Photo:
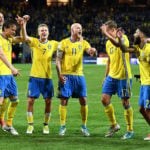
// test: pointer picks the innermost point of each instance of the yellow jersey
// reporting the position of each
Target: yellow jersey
(144, 64)
(116, 67)
(72, 61)
(6, 45)
(41, 58)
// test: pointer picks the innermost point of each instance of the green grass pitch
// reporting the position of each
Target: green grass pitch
(73, 140)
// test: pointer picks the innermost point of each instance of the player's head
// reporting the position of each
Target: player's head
(76, 31)
(111, 27)
(141, 32)
(43, 31)
(1, 19)
(9, 28)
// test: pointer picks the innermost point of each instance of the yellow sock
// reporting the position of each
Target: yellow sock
(84, 113)
(109, 110)
(30, 118)
(62, 113)
(128, 114)
(47, 118)
(3, 108)
(11, 112)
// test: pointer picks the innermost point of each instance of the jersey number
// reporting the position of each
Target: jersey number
(74, 51)
(111, 50)
(44, 50)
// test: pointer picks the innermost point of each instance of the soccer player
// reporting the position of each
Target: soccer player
(70, 73)
(40, 81)
(117, 80)
(142, 49)
(5, 101)
(8, 87)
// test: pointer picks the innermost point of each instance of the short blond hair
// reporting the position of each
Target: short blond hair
(43, 25)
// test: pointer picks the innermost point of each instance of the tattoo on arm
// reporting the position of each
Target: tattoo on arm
(122, 45)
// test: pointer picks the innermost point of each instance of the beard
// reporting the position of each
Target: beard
(137, 41)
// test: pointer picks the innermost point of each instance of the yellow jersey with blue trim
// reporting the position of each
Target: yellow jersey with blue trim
(6, 45)
(72, 61)
(41, 57)
(144, 64)
(117, 68)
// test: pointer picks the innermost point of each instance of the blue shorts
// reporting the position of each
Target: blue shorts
(8, 86)
(144, 99)
(40, 85)
(75, 86)
(112, 86)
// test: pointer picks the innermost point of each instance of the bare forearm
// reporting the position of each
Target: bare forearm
(5, 60)
(58, 67)
(112, 39)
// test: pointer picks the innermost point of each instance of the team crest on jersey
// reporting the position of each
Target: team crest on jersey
(80, 47)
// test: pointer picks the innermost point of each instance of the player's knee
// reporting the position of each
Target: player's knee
(64, 102)
(125, 103)
(48, 101)
(104, 100)
(30, 101)
(83, 101)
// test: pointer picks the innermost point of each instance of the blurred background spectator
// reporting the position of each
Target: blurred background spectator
(90, 13)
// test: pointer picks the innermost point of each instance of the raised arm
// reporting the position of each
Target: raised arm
(123, 47)
(112, 39)
(23, 22)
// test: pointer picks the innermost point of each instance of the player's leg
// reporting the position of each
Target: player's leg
(109, 88)
(64, 92)
(147, 111)
(84, 115)
(3, 85)
(30, 108)
(63, 114)
(10, 115)
(144, 105)
(48, 102)
(47, 90)
(33, 93)
(11, 92)
(3, 110)
(128, 114)
(124, 92)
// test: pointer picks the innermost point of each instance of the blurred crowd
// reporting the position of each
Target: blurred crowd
(60, 18)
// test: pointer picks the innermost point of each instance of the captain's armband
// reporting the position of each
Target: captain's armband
(60, 54)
